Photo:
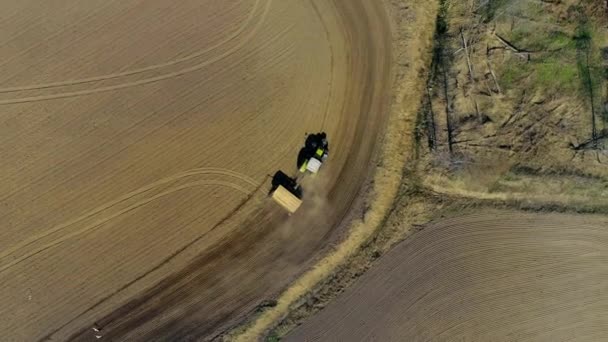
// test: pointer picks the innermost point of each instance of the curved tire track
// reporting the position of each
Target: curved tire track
(197, 54)
(185, 71)
(194, 172)
(225, 283)
(156, 267)
(277, 75)
(331, 65)
(101, 221)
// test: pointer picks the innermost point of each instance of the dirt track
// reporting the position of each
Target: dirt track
(497, 276)
(136, 141)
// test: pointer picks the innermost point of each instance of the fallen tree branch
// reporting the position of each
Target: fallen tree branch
(522, 53)
(466, 51)
(493, 76)
(479, 117)
(508, 44)
(490, 49)
(590, 144)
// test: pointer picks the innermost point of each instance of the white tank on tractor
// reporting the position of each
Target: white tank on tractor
(313, 165)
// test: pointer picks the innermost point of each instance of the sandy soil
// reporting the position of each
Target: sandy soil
(137, 137)
(493, 276)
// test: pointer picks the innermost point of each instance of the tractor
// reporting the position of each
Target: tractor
(285, 190)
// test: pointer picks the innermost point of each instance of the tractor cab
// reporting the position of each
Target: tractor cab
(314, 153)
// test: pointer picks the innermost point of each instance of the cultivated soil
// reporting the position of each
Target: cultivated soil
(489, 276)
(137, 138)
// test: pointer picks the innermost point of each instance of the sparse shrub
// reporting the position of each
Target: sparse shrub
(554, 75)
(512, 73)
(528, 38)
(273, 337)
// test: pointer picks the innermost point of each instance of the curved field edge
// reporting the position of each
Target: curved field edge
(412, 25)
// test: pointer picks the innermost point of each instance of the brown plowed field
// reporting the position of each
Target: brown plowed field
(497, 276)
(136, 137)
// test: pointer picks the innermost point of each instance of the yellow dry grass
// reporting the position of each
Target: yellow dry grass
(543, 192)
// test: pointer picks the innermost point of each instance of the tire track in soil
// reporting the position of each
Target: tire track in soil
(197, 54)
(195, 302)
(202, 171)
(169, 292)
(165, 261)
(331, 65)
(242, 267)
(150, 80)
(101, 221)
